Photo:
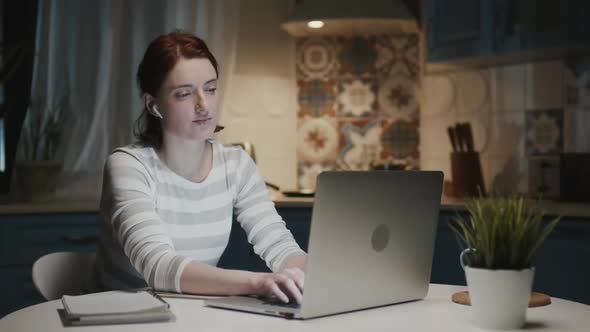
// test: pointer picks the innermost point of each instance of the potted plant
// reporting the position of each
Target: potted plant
(499, 242)
(39, 172)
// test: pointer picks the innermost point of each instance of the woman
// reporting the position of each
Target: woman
(168, 200)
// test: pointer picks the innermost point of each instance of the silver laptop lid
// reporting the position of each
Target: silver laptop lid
(371, 239)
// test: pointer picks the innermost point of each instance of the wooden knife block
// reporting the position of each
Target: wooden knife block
(467, 174)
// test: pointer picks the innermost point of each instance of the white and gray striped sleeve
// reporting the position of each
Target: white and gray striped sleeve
(136, 225)
(256, 213)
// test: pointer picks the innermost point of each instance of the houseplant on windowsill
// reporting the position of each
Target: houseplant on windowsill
(41, 136)
(499, 242)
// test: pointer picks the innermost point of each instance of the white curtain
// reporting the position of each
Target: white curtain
(92, 49)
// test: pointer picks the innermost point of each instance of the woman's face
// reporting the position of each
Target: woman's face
(188, 100)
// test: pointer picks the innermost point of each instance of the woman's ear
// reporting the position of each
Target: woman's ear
(150, 106)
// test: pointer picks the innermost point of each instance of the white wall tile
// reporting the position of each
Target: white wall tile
(584, 90)
(274, 140)
(543, 176)
(508, 88)
(508, 174)
(237, 129)
(472, 90)
(544, 85)
(261, 114)
(434, 140)
(577, 82)
(571, 92)
(260, 103)
(480, 126)
(499, 125)
(437, 164)
(437, 95)
(506, 134)
(576, 128)
(485, 169)
(275, 171)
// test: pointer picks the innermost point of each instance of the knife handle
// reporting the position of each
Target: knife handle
(460, 136)
(451, 132)
(469, 137)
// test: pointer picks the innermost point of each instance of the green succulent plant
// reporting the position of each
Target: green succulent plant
(503, 232)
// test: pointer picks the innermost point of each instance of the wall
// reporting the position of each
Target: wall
(358, 103)
(267, 106)
(521, 114)
(261, 104)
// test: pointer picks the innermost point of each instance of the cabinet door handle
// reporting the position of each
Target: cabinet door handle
(74, 239)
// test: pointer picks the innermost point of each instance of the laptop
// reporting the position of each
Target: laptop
(371, 244)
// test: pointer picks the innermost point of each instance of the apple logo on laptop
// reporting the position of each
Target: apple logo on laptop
(380, 237)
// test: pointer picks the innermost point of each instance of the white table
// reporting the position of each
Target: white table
(435, 313)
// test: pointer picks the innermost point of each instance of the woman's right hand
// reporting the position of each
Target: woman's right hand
(284, 285)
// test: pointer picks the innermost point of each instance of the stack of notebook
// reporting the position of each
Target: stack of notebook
(115, 307)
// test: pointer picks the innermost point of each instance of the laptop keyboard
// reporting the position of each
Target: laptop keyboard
(276, 302)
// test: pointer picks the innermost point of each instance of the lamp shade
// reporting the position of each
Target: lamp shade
(342, 17)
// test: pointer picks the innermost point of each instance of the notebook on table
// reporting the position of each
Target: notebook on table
(115, 307)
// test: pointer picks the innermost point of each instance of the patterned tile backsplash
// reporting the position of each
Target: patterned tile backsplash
(358, 103)
(362, 100)
(544, 132)
(357, 98)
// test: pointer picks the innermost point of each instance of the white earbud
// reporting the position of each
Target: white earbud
(154, 112)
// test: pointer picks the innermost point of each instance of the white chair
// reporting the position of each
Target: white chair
(62, 273)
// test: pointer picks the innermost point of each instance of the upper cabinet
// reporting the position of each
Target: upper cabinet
(535, 24)
(462, 29)
(458, 28)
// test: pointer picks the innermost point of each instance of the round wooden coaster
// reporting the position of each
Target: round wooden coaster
(536, 300)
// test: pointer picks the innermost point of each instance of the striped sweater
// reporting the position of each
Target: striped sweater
(156, 222)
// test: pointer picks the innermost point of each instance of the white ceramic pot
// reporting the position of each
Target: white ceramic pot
(499, 298)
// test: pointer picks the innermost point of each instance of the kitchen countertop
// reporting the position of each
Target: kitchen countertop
(54, 206)
(91, 205)
(556, 208)
(549, 207)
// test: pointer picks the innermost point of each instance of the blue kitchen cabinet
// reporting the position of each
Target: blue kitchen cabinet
(459, 28)
(560, 264)
(445, 263)
(240, 255)
(536, 24)
(561, 268)
(26, 237)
